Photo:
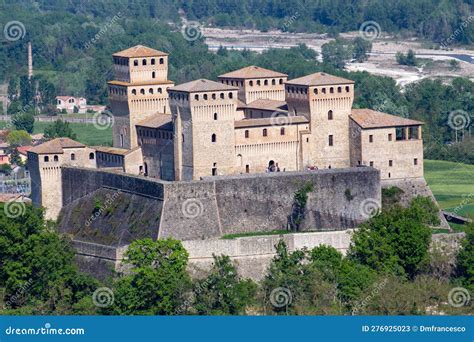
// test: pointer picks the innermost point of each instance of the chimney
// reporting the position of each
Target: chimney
(30, 62)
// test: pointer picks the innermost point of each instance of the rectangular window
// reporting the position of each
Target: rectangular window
(390, 137)
(331, 140)
(390, 163)
(371, 138)
(415, 161)
(247, 134)
(372, 164)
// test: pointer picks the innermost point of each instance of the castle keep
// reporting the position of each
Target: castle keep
(250, 121)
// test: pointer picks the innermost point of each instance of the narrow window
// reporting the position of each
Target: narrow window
(222, 96)
(324, 90)
(281, 80)
(150, 90)
(46, 159)
(264, 132)
(390, 137)
(134, 92)
(315, 91)
(390, 163)
(231, 95)
(213, 138)
(251, 83)
(196, 97)
(56, 158)
(331, 90)
(371, 138)
(259, 82)
(91, 156)
(348, 89)
(339, 89)
(330, 115)
(215, 116)
(331, 140)
(247, 134)
(162, 61)
(152, 61)
(282, 131)
(265, 82)
(135, 62)
(273, 82)
(205, 96)
(142, 91)
(247, 168)
(213, 96)
(144, 62)
(371, 164)
(415, 161)
(153, 74)
(73, 156)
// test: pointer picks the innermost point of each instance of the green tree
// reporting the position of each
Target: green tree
(18, 138)
(24, 121)
(223, 292)
(336, 53)
(59, 129)
(408, 59)
(158, 282)
(38, 271)
(465, 259)
(15, 158)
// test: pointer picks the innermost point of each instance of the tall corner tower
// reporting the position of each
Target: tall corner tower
(140, 90)
(204, 116)
(326, 101)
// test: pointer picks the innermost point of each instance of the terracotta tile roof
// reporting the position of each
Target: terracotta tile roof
(127, 84)
(161, 121)
(319, 79)
(139, 51)
(24, 149)
(202, 85)
(368, 118)
(270, 105)
(292, 120)
(253, 72)
(56, 146)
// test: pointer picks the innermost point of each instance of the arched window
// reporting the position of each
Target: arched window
(330, 115)
(196, 97)
(144, 62)
(247, 134)
(160, 90)
(152, 61)
(222, 95)
(251, 83)
(265, 133)
(73, 156)
(282, 131)
(46, 159)
(213, 138)
(324, 90)
(134, 92)
(153, 74)
(315, 91)
(348, 89)
(215, 116)
(273, 82)
(339, 89)
(331, 90)
(135, 62)
(281, 80)
(162, 60)
(231, 96)
(259, 82)
(142, 91)
(150, 90)
(205, 96)
(213, 96)
(91, 156)
(55, 158)
(265, 82)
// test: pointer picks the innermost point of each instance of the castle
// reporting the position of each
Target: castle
(253, 120)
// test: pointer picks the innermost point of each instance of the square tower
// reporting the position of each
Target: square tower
(326, 101)
(204, 117)
(138, 91)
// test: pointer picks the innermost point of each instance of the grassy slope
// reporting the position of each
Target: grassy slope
(86, 133)
(452, 184)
